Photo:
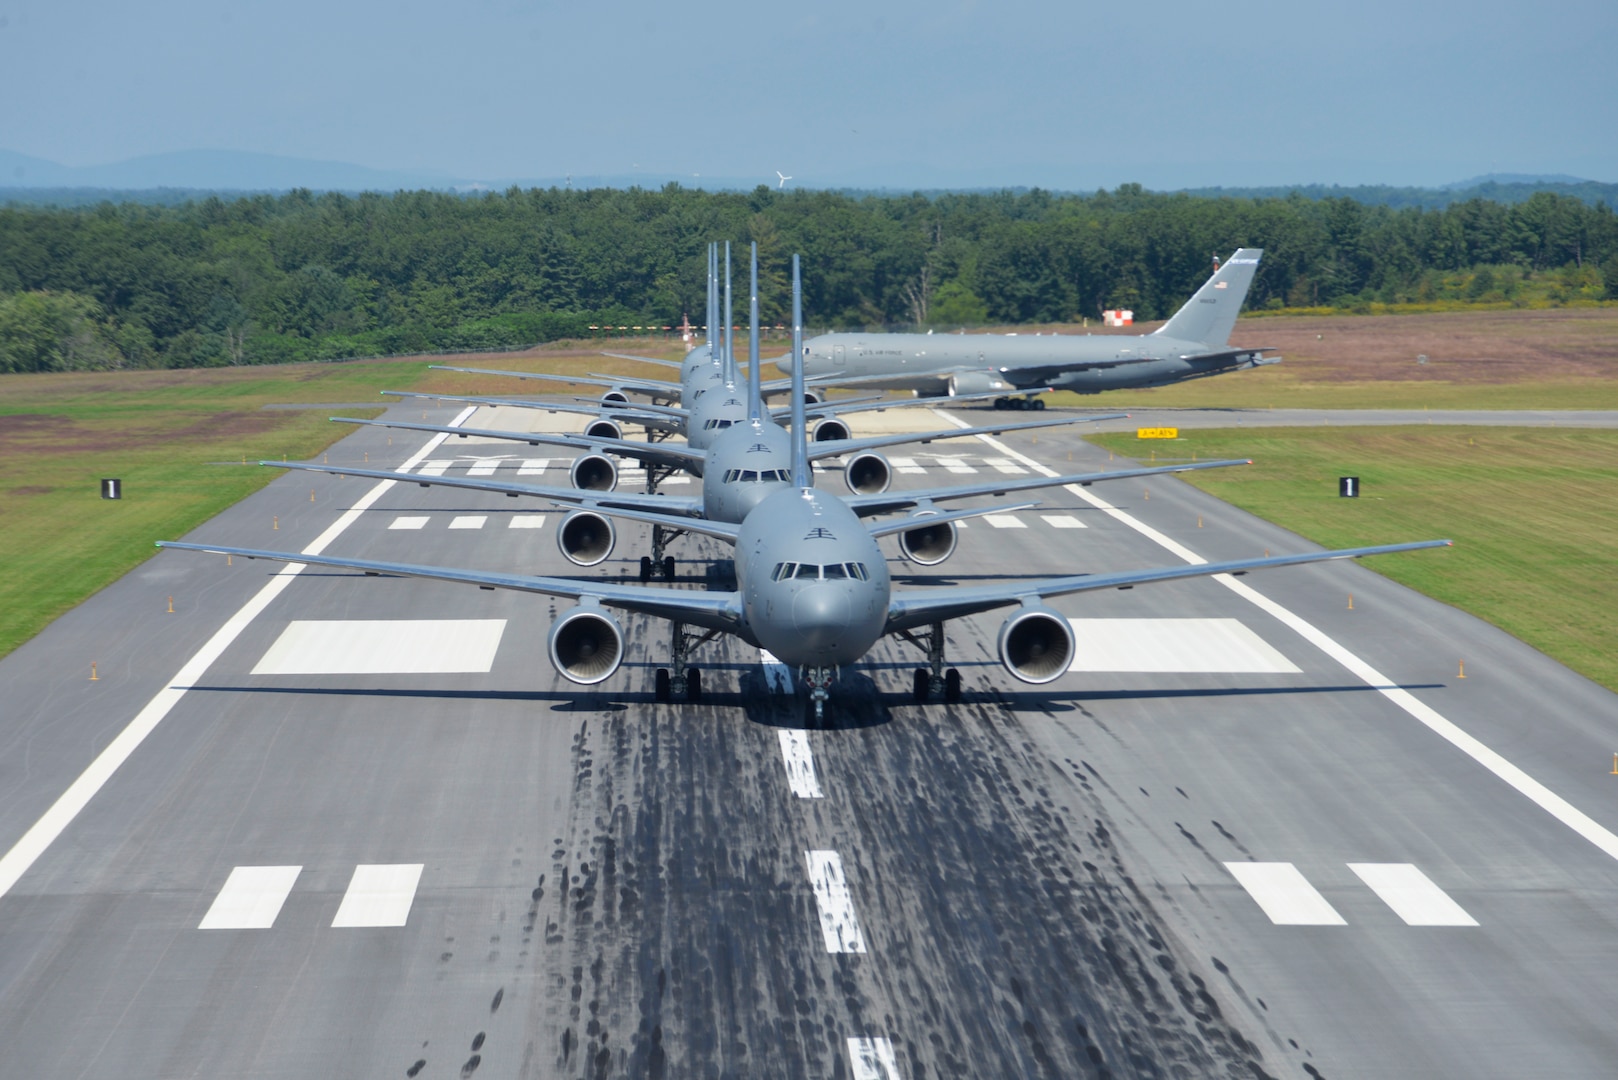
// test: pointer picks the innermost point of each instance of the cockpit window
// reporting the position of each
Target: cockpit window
(783, 570)
(833, 572)
(807, 570)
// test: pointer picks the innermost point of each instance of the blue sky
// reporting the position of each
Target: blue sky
(1169, 93)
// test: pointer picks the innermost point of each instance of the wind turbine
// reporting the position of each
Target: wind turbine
(784, 179)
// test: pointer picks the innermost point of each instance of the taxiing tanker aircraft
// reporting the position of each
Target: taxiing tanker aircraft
(812, 588)
(1191, 345)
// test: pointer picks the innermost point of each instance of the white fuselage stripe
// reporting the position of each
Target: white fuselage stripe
(44, 832)
(1538, 793)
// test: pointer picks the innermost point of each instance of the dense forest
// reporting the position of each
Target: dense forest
(269, 279)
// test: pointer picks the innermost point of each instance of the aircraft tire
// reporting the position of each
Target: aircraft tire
(1001, 404)
(660, 686)
(645, 568)
(1038, 404)
(952, 686)
(918, 686)
(668, 568)
(693, 684)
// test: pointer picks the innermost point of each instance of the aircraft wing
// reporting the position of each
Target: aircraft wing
(635, 414)
(918, 607)
(1234, 354)
(650, 386)
(722, 530)
(888, 502)
(888, 528)
(673, 456)
(675, 364)
(839, 447)
(670, 504)
(713, 610)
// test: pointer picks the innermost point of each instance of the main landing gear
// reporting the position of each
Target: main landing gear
(934, 680)
(657, 564)
(685, 681)
(1020, 403)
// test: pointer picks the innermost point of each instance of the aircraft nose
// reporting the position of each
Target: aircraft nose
(821, 614)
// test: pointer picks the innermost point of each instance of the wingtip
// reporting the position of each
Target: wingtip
(1250, 461)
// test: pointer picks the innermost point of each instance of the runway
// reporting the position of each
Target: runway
(1298, 845)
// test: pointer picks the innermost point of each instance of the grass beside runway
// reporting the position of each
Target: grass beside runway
(177, 440)
(1531, 511)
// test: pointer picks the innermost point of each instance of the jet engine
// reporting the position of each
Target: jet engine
(603, 429)
(812, 397)
(586, 537)
(615, 398)
(867, 474)
(594, 472)
(928, 545)
(586, 644)
(831, 429)
(975, 382)
(1036, 644)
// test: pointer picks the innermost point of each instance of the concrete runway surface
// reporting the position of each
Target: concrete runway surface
(1300, 846)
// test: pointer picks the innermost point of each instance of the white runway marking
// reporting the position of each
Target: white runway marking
(907, 466)
(1420, 711)
(50, 825)
(384, 647)
(1005, 521)
(469, 521)
(1285, 894)
(837, 923)
(526, 521)
(408, 522)
(776, 674)
(1222, 646)
(533, 466)
(434, 468)
(800, 763)
(379, 895)
(1064, 521)
(251, 899)
(956, 465)
(677, 480)
(484, 467)
(1005, 465)
(872, 1059)
(1412, 895)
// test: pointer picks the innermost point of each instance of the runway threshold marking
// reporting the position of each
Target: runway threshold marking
(838, 925)
(485, 466)
(1525, 785)
(800, 764)
(526, 521)
(1064, 521)
(379, 895)
(408, 521)
(44, 832)
(1005, 521)
(251, 898)
(872, 1059)
(469, 521)
(533, 466)
(431, 468)
(384, 647)
(1412, 895)
(1284, 894)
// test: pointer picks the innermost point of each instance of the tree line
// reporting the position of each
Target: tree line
(271, 279)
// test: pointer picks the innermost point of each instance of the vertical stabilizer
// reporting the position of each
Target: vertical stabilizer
(712, 275)
(730, 325)
(755, 387)
(801, 476)
(1210, 315)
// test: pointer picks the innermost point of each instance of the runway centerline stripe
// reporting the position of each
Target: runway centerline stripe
(800, 763)
(44, 832)
(838, 925)
(872, 1059)
(1412, 895)
(379, 895)
(1284, 894)
(251, 899)
(1446, 729)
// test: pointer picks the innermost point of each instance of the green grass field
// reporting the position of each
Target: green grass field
(1531, 511)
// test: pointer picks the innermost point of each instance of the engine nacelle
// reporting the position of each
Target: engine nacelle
(594, 472)
(586, 644)
(928, 545)
(1036, 644)
(975, 382)
(615, 398)
(831, 429)
(603, 429)
(867, 474)
(586, 537)
(813, 397)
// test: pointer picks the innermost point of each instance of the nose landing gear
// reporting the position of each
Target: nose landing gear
(818, 680)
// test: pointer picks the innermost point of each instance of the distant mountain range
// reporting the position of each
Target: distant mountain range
(173, 178)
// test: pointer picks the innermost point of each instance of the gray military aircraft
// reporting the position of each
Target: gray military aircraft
(747, 463)
(1192, 345)
(812, 588)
